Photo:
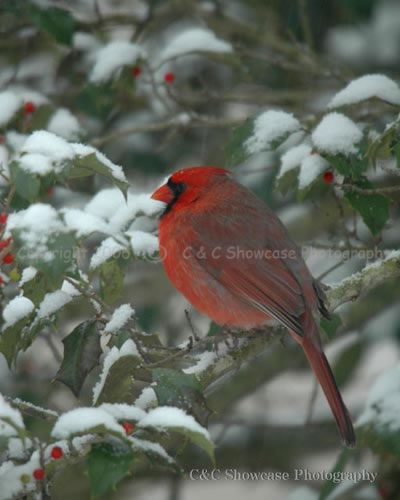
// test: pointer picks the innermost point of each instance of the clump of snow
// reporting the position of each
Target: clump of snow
(107, 249)
(268, 128)
(48, 144)
(122, 411)
(137, 204)
(52, 302)
(146, 399)
(36, 163)
(15, 140)
(12, 485)
(64, 124)
(10, 103)
(143, 243)
(337, 134)
(83, 420)
(170, 417)
(383, 404)
(70, 289)
(293, 158)
(195, 40)
(17, 309)
(128, 348)
(105, 203)
(82, 223)
(120, 317)
(12, 414)
(17, 447)
(311, 167)
(366, 87)
(112, 57)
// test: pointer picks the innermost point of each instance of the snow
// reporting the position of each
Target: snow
(84, 224)
(122, 411)
(143, 243)
(12, 414)
(64, 124)
(10, 103)
(337, 134)
(205, 359)
(195, 40)
(17, 447)
(48, 144)
(83, 420)
(293, 158)
(120, 317)
(366, 87)
(383, 403)
(15, 140)
(36, 163)
(105, 203)
(170, 417)
(146, 399)
(52, 302)
(269, 127)
(105, 251)
(10, 478)
(128, 348)
(112, 57)
(311, 167)
(69, 288)
(17, 309)
(137, 204)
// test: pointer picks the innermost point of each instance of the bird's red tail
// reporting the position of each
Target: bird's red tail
(323, 372)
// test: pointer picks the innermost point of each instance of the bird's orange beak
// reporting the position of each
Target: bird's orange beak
(164, 194)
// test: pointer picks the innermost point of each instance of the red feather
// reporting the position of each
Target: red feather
(233, 259)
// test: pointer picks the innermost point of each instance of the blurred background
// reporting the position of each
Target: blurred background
(164, 113)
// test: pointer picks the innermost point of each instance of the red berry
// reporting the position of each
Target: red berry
(38, 474)
(5, 243)
(136, 70)
(328, 177)
(56, 452)
(29, 107)
(8, 258)
(3, 218)
(169, 77)
(128, 427)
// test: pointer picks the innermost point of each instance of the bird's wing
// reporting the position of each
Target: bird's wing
(265, 282)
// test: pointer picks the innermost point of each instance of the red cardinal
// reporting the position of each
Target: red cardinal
(232, 258)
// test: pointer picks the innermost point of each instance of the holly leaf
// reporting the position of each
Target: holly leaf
(58, 23)
(27, 185)
(111, 281)
(235, 151)
(107, 465)
(373, 208)
(10, 339)
(182, 390)
(124, 382)
(81, 354)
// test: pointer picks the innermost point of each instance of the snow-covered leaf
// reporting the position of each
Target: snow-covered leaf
(337, 135)
(107, 465)
(10, 103)
(11, 422)
(367, 87)
(117, 379)
(183, 390)
(175, 419)
(119, 318)
(81, 354)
